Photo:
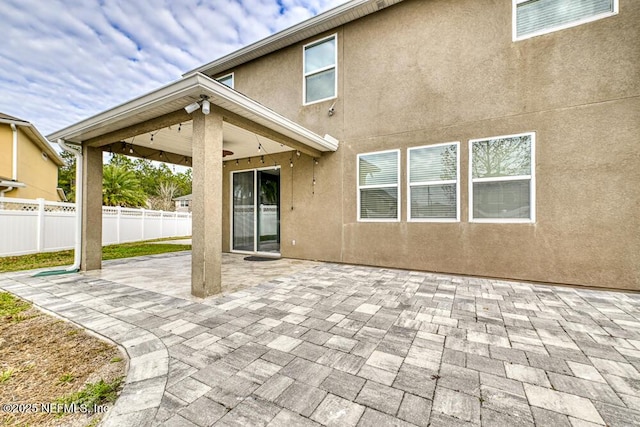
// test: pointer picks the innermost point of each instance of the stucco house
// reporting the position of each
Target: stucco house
(28, 164)
(475, 137)
(183, 203)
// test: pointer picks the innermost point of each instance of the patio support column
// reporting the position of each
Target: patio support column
(92, 209)
(206, 258)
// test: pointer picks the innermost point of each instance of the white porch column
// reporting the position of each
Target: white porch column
(91, 208)
(206, 258)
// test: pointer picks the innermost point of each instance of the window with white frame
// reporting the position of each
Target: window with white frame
(378, 189)
(502, 179)
(536, 17)
(226, 80)
(320, 73)
(433, 183)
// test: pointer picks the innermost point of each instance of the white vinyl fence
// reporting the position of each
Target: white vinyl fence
(244, 221)
(30, 226)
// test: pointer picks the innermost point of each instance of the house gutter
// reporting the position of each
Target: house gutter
(14, 163)
(40, 140)
(77, 252)
(193, 87)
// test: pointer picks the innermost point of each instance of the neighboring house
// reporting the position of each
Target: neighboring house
(476, 137)
(28, 164)
(183, 203)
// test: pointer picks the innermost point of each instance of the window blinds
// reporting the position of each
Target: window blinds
(539, 15)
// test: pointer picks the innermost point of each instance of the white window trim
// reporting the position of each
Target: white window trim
(418, 184)
(514, 20)
(531, 177)
(233, 79)
(365, 187)
(305, 75)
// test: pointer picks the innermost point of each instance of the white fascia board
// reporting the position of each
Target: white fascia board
(42, 142)
(196, 85)
(142, 103)
(323, 22)
(14, 122)
(45, 145)
(9, 183)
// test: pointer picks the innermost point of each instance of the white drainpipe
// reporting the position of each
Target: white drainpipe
(15, 152)
(77, 253)
(14, 172)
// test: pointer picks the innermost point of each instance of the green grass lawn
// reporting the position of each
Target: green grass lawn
(10, 306)
(55, 259)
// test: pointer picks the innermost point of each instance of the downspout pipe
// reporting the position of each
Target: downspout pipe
(76, 151)
(77, 252)
(14, 163)
(14, 175)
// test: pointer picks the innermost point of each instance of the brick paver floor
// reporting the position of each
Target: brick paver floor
(343, 345)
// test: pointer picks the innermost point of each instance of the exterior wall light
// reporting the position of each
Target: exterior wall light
(191, 107)
(206, 107)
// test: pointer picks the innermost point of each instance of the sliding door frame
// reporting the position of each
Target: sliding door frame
(256, 206)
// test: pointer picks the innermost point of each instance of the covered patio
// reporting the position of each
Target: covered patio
(195, 121)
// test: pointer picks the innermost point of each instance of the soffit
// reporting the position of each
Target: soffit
(176, 139)
(173, 98)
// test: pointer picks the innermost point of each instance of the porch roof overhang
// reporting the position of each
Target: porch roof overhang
(9, 183)
(165, 107)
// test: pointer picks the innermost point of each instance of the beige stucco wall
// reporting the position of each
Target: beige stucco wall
(40, 175)
(6, 151)
(427, 72)
(297, 221)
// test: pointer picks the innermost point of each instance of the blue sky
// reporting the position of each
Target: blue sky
(65, 60)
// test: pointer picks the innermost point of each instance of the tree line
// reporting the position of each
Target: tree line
(128, 182)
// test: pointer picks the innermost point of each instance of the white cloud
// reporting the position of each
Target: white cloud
(71, 59)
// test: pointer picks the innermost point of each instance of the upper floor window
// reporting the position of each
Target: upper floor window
(378, 189)
(502, 179)
(320, 73)
(535, 17)
(226, 80)
(434, 192)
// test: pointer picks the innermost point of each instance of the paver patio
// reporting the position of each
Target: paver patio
(343, 345)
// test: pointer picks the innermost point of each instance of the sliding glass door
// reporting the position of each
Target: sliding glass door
(244, 211)
(256, 211)
(268, 208)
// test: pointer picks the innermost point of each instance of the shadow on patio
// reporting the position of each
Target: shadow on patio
(170, 274)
